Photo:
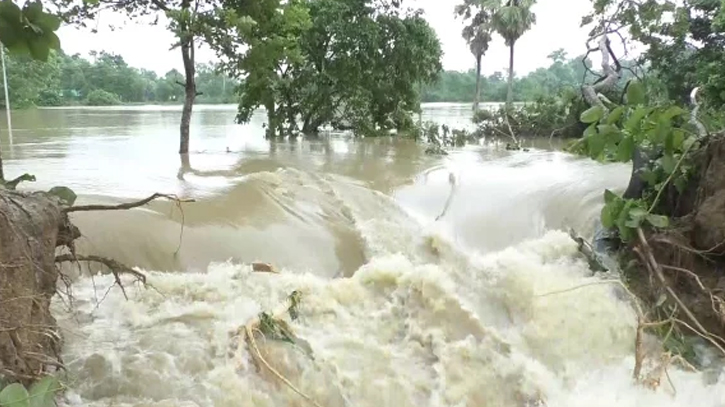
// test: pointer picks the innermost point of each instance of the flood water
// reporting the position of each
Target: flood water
(425, 280)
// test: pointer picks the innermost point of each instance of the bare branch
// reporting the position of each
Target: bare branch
(116, 268)
(125, 206)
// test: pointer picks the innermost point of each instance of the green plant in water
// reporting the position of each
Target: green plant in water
(41, 394)
(613, 134)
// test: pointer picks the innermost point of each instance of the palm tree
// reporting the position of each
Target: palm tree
(478, 43)
(477, 34)
(511, 21)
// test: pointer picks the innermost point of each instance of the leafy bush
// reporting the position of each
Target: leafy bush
(100, 97)
(547, 115)
(613, 134)
(49, 98)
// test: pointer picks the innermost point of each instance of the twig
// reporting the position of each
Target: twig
(125, 206)
(116, 268)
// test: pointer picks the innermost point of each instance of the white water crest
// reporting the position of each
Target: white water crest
(425, 321)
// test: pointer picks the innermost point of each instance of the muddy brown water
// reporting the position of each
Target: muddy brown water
(412, 322)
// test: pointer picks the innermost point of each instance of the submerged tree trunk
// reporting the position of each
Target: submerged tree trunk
(187, 54)
(510, 94)
(477, 98)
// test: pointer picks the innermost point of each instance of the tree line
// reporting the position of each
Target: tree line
(105, 79)
(563, 73)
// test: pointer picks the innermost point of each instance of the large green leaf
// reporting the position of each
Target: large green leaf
(615, 115)
(591, 115)
(635, 93)
(668, 163)
(635, 119)
(14, 395)
(42, 393)
(625, 149)
(658, 221)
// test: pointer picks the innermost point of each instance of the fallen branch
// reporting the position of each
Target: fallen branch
(591, 93)
(274, 325)
(125, 206)
(116, 268)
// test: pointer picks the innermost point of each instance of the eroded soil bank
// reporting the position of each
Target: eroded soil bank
(692, 253)
(32, 226)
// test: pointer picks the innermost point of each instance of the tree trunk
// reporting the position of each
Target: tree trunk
(2, 174)
(510, 95)
(187, 55)
(477, 97)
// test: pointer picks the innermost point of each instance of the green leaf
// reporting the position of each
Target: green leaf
(590, 130)
(649, 176)
(48, 22)
(38, 49)
(634, 120)
(595, 145)
(625, 149)
(668, 163)
(14, 395)
(635, 93)
(672, 112)
(591, 115)
(615, 115)
(658, 221)
(42, 393)
(608, 216)
(610, 196)
(33, 10)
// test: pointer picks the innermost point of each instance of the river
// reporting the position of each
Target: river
(403, 303)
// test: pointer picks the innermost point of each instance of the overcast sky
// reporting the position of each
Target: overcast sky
(557, 26)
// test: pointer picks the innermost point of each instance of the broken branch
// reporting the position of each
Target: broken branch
(125, 206)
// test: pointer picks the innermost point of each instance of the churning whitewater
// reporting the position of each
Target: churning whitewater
(425, 321)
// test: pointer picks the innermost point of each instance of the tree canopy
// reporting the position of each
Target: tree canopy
(345, 63)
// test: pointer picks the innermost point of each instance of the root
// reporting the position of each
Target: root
(114, 266)
(125, 206)
(646, 255)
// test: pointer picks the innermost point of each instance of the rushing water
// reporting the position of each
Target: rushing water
(403, 303)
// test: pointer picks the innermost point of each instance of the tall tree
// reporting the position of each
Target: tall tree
(477, 34)
(511, 20)
(184, 20)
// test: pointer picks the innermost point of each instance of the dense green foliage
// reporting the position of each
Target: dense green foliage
(613, 135)
(105, 80)
(345, 63)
